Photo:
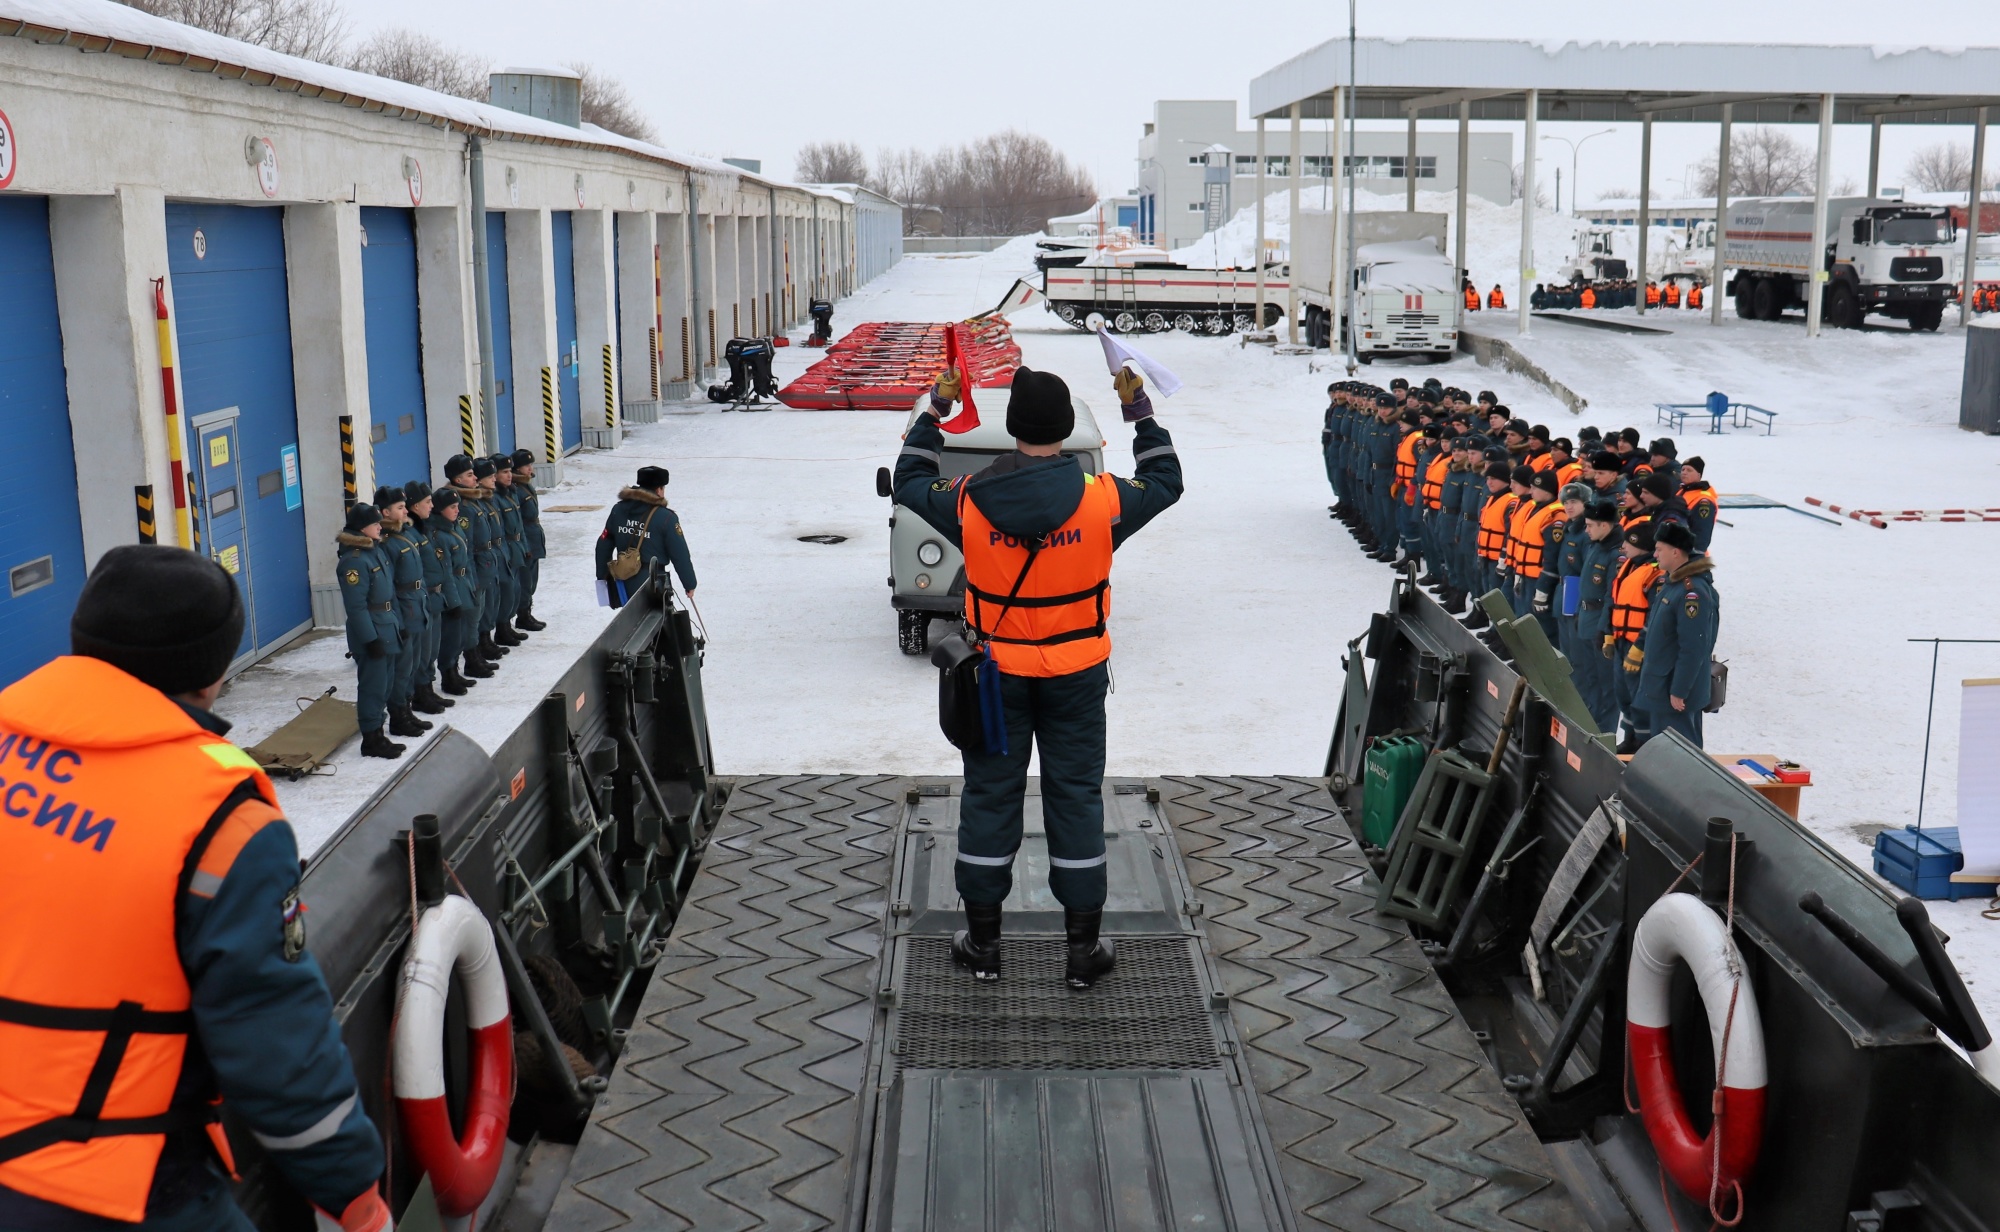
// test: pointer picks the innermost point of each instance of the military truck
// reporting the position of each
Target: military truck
(1880, 256)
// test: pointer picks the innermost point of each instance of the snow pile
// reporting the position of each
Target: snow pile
(1492, 247)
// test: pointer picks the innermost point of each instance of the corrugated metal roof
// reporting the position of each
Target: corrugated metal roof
(1634, 75)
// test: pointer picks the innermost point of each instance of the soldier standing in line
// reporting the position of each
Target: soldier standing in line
(373, 634)
(1681, 627)
(455, 625)
(1588, 667)
(1631, 600)
(405, 558)
(489, 559)
(423, 524)
(536, 544)
(475, 526)
(513, 548)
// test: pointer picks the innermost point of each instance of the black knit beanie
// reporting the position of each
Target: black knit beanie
(1038, 408)
(166, 615)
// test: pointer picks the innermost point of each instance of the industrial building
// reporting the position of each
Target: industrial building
(243, 287)
(1197, 167)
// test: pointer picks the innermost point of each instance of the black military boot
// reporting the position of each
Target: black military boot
(375, 744)
(476, 666)
(1476, 618)
(490, 649)
(425, 698)
(504, 634)
(976, 947)
(1089, 958)
(525, 619)
(451, 682)
(1454, 601)
(403, 723)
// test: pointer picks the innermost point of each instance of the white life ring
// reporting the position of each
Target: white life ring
(1680, 927)
(454, 936)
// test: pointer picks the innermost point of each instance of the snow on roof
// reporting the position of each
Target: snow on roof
(529, 70)
(103, 25)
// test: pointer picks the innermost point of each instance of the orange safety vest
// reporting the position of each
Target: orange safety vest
(1471, 300)
(1652, 295)
(1630, 597)
(1589, 299)
(1695, 495)
(1672, 295)
(1055, 624)
(1494, 518)
(1540, 460)
(1405, 487)
(1496, 300)
(113, 795)
(1530, 524)
(1569, 473)
(1434, 480)
(1694, 297)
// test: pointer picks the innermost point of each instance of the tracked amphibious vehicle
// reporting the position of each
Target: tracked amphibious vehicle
(764, 1029)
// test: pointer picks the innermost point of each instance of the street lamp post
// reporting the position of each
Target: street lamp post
(1575, 148)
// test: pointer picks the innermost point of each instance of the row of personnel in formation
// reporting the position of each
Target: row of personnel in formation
(1604, 544)
(435, 577)
(1617, 293)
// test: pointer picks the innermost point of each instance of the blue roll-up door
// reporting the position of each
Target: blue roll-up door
(233, 324)
(40, 522)
(395, 348)
(569, 364)
(503, 327)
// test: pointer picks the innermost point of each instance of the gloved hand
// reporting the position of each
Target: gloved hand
(1610, 645)
(378, 649)
(1132, 397)
(1633, 658)
(946, 390)
(1541, 602)
(367, 1213)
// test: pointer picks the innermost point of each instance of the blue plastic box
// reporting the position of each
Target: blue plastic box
(1921, 862)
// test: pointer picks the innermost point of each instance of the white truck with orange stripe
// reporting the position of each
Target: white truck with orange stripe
(1891, 257)
(1406, 293)
(1141, 291)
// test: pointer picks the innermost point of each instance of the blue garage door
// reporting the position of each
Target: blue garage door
(39, 521)
(563, 233)
(503, 328)
(395, 355)
(233, 322)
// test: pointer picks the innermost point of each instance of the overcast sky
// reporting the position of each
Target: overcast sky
(758, 78)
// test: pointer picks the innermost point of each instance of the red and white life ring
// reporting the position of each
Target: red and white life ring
(454, 936)
(1680, 927)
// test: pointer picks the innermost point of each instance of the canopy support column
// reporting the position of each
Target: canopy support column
(1722, 173)
(1645, 207)
(1259, 326)
(1292, 220)
(1528, 211)
(1464, 168)
(1816, 284)
(1972, 215)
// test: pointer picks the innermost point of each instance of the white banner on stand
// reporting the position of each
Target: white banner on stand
(1979, 776)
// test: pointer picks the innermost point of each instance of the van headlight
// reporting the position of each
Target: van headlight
(931, 553)
(923, 581)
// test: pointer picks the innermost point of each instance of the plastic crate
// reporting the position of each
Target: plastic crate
(1388, 777)
(1921, 862)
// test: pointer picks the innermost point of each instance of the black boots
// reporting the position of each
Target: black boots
(451, 681)
(504, 634)
(1089, 958)
(424, 698)
(976, 947)
(525, 619)
(375, 744)
(476, 666)
(404, 723)
(489, 648)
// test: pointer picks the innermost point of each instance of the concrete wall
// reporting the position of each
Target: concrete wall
(111, 139)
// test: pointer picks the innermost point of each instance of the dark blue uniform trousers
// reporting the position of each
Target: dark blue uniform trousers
(1064, 717)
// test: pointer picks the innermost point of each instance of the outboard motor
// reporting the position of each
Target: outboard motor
(822, 317)
(749, 373)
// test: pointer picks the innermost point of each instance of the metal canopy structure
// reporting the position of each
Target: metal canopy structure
(1704, 83)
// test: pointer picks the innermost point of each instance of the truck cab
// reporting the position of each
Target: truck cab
(1406, 302)
(926, 573)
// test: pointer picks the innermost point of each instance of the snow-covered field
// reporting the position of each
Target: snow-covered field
(1232, 609)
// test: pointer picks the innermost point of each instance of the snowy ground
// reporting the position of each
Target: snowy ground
(1231, 609)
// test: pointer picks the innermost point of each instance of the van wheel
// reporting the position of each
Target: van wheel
(913, 632)
(1840, 308)
(1764, 302)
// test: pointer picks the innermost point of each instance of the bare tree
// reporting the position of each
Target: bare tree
(1946, 167)
(1617, 194)
(1009, 183)
(1514, 188)
(609, 105)
(419, 59)
(1763, 162)
(830, 162)
(313, 29)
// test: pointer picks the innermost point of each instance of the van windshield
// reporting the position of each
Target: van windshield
(958, 462)
(1907, 230)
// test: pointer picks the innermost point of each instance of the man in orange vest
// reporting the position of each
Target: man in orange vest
(153, 953)
(1495, 299)
(1699, 497)
(1631, 600)
(1694, 296)
(1652, 294)
(1037, 532)
(1471, 297)
(1589, 297)
(1670, 295)
(1495, 516)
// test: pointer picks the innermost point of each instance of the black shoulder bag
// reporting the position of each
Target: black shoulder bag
(961, 717)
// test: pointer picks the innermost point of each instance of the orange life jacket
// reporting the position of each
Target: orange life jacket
(111, 790)
(1672, 295)
(1695, 495)
(1404, 488)
(1652, 295)
(1530, 525)
(1496, 300)
(1540, 460)
(1056, 623)
(1568, 473)
(1694, 297)
(1631, 596)
(1434, 480)
(1471, 300)
(1589, 299)
(1494, 519)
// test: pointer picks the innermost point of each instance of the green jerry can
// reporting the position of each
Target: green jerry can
(1388, 777)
